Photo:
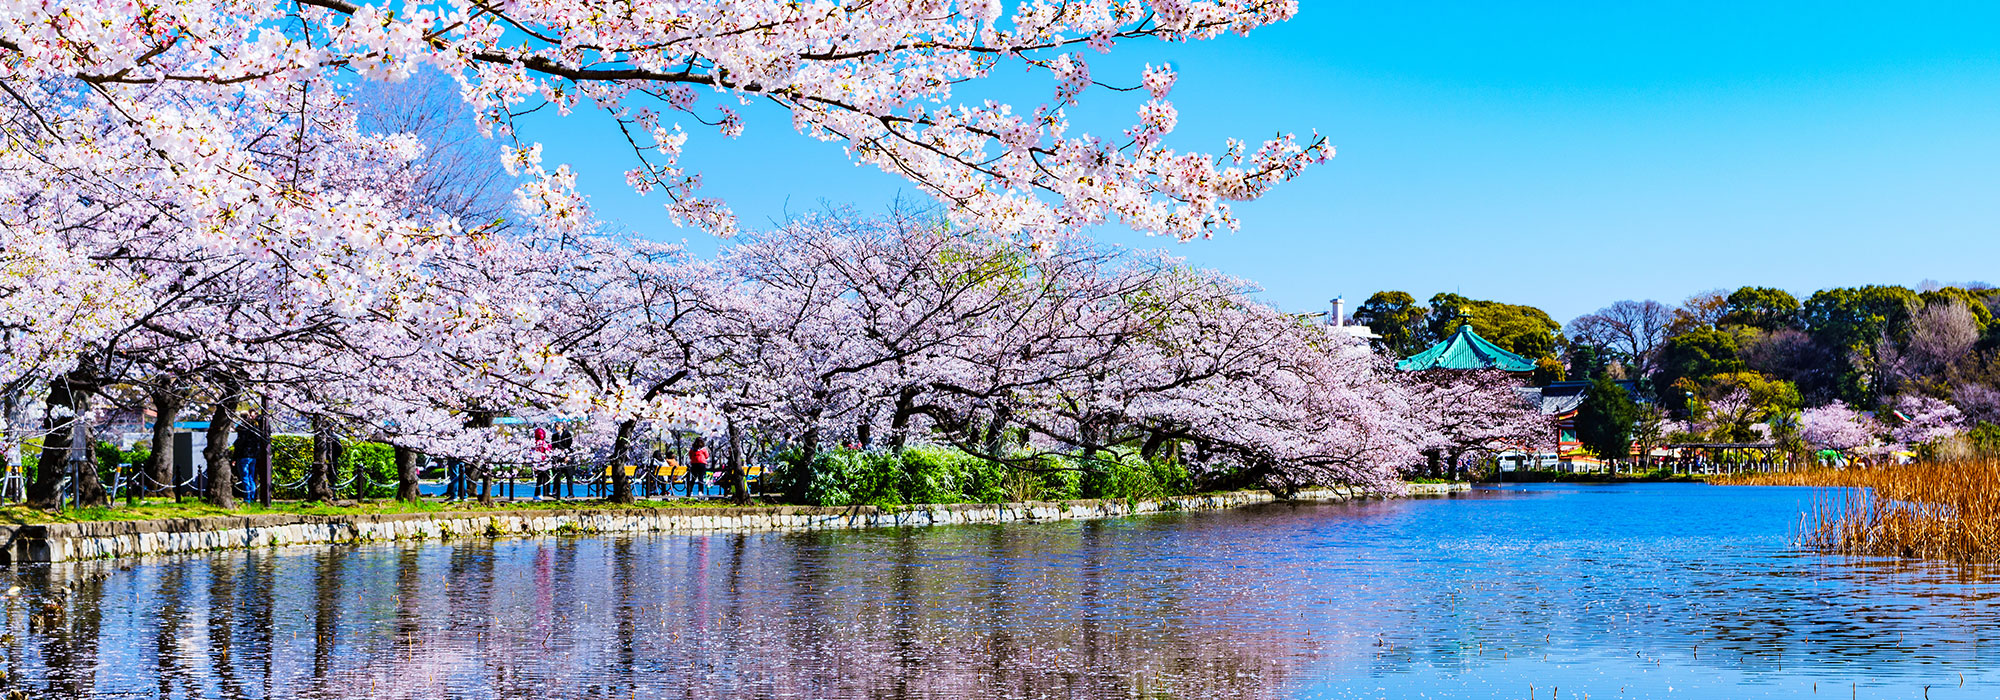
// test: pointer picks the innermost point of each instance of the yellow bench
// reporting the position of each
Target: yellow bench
(673, 471)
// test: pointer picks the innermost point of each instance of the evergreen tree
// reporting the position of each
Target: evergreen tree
(1605, 420)
(1398, 318)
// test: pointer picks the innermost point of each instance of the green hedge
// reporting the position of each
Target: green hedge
(928, 474)
(291, 456)
(291, 459)
(108, 457)
(1127, 475)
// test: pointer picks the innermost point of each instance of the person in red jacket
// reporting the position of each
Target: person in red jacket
(697, 471)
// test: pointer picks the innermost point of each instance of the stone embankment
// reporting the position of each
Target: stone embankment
(105, 540)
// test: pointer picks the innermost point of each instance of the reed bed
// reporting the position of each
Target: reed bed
(1844, 478)
(1928, 510)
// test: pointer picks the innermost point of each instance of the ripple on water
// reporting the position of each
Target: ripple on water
(1607, 591)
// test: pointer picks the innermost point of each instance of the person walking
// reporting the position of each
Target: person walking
(697, 476)
(248, 449)
(543, 451)
(562, 443)
(654, 466)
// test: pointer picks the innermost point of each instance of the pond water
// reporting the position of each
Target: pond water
(1664, 590)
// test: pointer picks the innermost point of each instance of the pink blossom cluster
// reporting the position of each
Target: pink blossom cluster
(192, 205)
(880, 332)
(1924, 420)
(831, 329)
(1837, 427)
(878, 78)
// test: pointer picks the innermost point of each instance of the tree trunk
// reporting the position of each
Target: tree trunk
(69, 399)
(159, 469)
(809, 447)
(58, 415)
(1086, 434)
(996, 430)
(899, 421)
(470, 476)
(737, 478)
(319, 476)
(1154, 441)
(221, 491)
(263, 456)
(621, 454)
(83, 455)
(407, 474)
(360, 478)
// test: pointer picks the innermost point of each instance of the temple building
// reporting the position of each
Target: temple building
(1559, 401)
(1466, 350)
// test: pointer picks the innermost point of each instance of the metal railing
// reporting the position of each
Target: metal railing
(451, 480)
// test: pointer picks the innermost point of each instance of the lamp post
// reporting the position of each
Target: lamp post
(263, 475)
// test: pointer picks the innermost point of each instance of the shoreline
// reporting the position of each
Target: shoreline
(82, 541)
(1593, 478)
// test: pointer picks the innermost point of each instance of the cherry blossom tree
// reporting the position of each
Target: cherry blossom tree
(189, 194)
(630, 321)
(882, 331)
(1468, 413)
(1924, 420)
(1839, 428)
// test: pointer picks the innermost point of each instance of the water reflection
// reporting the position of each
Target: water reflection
(1595, 589)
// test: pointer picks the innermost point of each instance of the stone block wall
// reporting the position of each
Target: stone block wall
(104, 540)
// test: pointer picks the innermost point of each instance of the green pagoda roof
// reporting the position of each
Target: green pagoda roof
(1466, 350)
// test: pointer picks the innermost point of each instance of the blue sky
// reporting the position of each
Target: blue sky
(1563, 155)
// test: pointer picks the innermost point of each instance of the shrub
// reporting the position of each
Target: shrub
(291, 461)
(981, 480)
(788, 476)
(1061, 485)
(853, 478)
(31, 455)
(109, 456)
(1126, 475)
(930, 475)
(377, 464)
(935, 474)
(1984, 439)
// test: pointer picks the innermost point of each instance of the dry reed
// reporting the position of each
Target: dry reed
(1928, 510)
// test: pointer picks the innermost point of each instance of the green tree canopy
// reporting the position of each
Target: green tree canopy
(1587, 360)
(1762, 307)
(1689, 358)
(1522, 330)
(1397, 318)
(1849, 322)
(1853, 318)
(1734, 401)
(1605, 419)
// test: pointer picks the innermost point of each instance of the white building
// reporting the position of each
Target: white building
(1336, 322)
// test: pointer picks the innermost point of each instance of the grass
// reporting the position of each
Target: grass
(166, 509)
(1928, 510)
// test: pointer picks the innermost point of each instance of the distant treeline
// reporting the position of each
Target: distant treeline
(1910, 368)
